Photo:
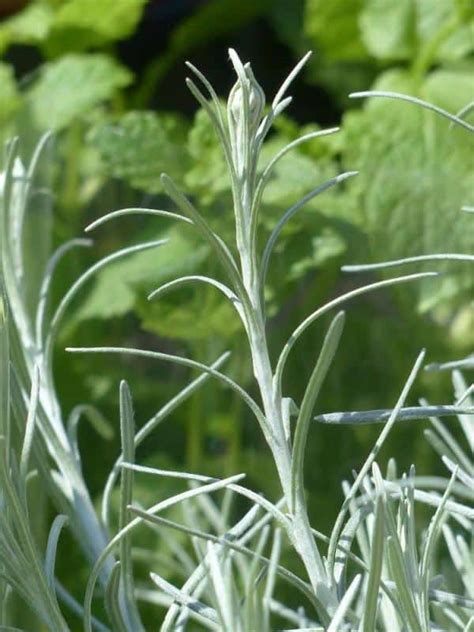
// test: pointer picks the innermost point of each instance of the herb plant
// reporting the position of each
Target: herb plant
(231, 583)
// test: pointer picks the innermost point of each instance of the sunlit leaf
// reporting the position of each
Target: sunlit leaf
(83, 24)
(73, 85)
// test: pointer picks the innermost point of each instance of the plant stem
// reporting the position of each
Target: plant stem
(300, 535)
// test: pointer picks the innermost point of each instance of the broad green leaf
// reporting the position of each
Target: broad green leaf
(9, 96)
(415, 175)
(72, 86)
(355, 30)
(30, 26)
(450, 89)
(388, 28)
(401, 30)
(350, 37)
(139, 146)
(333, 27)
(118, 287)
(433, 18)
(295, 175)
(327, 245)
(82, 24)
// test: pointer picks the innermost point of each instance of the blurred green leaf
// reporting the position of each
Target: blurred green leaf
(139, 146)
(72, 86)
(341, 63)
(435, 18)
(351, 38)
(83, 24)
(325, 246)
(415, 174)
(201, 316)
(10, 98)
(333, 27)
(388, 28)
(30, 26)
(450, 89)
(294, 175)
(118, 286)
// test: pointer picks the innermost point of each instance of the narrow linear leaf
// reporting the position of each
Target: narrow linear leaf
(383, 415)
(206, 614)
(399, 262)
(127, 434)
(228, 293)
(184, 362)
(47, 281)
(124, 212)
(214, 241)
(75, 607)
(279, 155)
(328, 350)
(344, 605)
(404, 97)
(287, 82)
(371, 458)
(215, 116)
(51, 548)
(112, 600)
(466, 363)
(229, 542)
(235, 532)
(210, 89)
(291, 212)
(150, 426)
(375, 572)
(432, 536)
(30, 424)
(219, 584)
(115, 541)
(395, 560)
(73, 290)
(335, 303)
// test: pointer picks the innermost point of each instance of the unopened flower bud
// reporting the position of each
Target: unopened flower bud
(256, 101)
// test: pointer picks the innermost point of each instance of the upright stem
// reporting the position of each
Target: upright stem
(245, 110)
(300, 534)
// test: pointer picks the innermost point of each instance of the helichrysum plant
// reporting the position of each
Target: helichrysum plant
(230, 582)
